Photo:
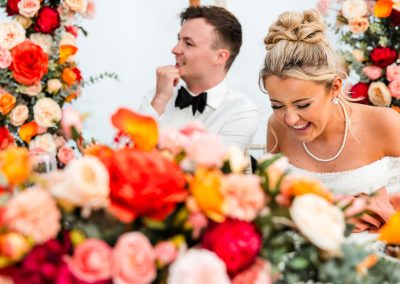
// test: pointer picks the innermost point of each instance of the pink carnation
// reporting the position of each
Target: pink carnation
(372, 72)
(243, 196)
(394, 88)
(393, 72)
(205, 149)
(91, 261)
(133, 259)
(33, 213)
(65, 154)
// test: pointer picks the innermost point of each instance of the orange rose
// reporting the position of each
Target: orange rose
(383, 8)
(29, 64)
(69, 76)
(389, 233)
(66, 51)
(28, 130)
(293, 186)
(7, 103)
(14, 164)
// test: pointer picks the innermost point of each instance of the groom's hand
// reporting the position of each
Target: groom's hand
(167, 79)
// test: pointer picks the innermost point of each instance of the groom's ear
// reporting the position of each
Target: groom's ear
(222, 56)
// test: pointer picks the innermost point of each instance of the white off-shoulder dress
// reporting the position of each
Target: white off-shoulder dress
(384, 172)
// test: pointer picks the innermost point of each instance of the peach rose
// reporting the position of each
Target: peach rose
(46, 112)
(379, 94)
(28, 8)
(33, 213)
(65, 154)
(394, 88)
(45, 41)
(372, 72)
(133, 259)
(353, 9)
(25, 22)
(5, 58)
(44, 142)
(259, 273)
(11, 34)
(91, 261)
(32, 90)
(358, 55)
(359, 25)
(76, 5)
(13, 246)
(19, 115)
(393, 72)
(53, 86)
(205, 149)
(7, 103)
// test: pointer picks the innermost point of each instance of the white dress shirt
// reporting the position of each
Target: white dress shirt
(228, 113)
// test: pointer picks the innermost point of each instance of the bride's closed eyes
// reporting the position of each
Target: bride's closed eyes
(298, 106)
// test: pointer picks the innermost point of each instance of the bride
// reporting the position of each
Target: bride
(352, 148)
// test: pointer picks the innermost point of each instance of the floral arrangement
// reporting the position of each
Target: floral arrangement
(370, 29)
(39, 75)
(174, 206)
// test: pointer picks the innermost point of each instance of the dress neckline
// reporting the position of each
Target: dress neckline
(347, 171)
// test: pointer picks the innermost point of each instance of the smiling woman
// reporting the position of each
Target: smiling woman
(351, 147)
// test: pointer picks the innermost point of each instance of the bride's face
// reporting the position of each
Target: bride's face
(304, 107)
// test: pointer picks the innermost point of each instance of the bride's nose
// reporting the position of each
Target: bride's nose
(291, 117)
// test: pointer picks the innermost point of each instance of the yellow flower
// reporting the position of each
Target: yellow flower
(390, 232)
(14, 164)
(205, 188)
(296, 186)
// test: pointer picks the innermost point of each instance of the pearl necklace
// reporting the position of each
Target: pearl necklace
(346, 126)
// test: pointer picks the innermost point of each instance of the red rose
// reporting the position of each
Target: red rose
(6, 138)
(383, 56)
(236, 242)
(395, 18)
(29, 63)
(78, 74)
(143, 184)
(12, 7)
(360, 90)
(72, 29)
(48, 20)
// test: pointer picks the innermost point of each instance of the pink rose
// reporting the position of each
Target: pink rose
(91, 261)
(393, 72)
(65, 154)
(258, 273)
(133, 259)
(5, 58)
(372, 72)
(205, 149)
(394, 88)
(28, 8)
(19, 115)
(165, 252)
(71, 118)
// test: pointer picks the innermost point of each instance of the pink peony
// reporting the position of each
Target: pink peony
(133, 259)
(33, 213)
(243, 196)
(91, 261)
(259, 273)
(5, 58)
(165, 252)
(205, 149)
(65, 154)
(394, 88)
(393, 72)
(372, 72)
(71, 118)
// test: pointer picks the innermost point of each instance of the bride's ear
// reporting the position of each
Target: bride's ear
(336, 87)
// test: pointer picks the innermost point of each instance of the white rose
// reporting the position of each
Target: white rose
(76, 5)
(352, 9)
(12, 33)
(44, 142)
(358, 55)
(46, 112)
(28, 8)
(68, 39)
(32, 90)
(84, 183)
(379, 94)
(319, 221)
(238, 161)
(19, 114)
(198, 266)
(45, 41)
(53, 86)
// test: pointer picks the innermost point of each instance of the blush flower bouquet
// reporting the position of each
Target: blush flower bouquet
(173, 206)
(370, 30)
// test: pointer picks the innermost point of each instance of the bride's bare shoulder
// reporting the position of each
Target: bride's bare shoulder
(275, 132)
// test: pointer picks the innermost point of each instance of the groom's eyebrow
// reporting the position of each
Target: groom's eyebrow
(296, 101)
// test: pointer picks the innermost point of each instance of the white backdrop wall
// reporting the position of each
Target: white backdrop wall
(133, 37)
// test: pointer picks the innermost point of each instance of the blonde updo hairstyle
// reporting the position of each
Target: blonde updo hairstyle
(298, 48)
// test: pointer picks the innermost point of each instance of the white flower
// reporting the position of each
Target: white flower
(352, 9)
(84, 183)
(238, 161)
(43, 40)
(32, 90)
(19, 114)
(44, 142)
(28, 8)
(53, 86)
(11, 34)
(319, 221)
(46, 112)
(198, 266)
(379, 94)
(68, 39)
(76, 5)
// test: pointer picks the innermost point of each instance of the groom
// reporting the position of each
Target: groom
(208, 43)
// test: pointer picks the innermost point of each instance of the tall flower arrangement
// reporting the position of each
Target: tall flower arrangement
(38, 72)
(167, 207)
(371, 30)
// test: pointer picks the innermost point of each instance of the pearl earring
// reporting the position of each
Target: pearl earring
(335, 101)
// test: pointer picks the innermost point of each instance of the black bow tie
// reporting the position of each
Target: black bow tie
(184, 99)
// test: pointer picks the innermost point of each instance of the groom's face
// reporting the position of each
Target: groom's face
(304, 107)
